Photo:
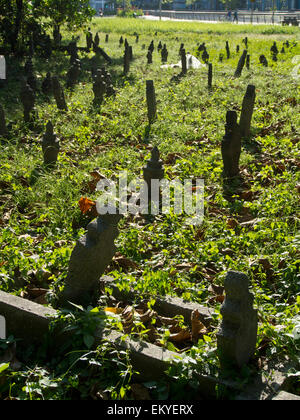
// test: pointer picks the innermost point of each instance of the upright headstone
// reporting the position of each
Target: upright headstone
(58, 94)
(247, 111)
(89, 259)
(106, 38)
(47, 88)
(28, 101)
(227, 50)
(209, 76)
(205, 56)
(153, 171)
(126, 61)
(183, 62)
(89, 40)
(236, 338)
(149, 57)
(99, 88)
(164, 54)
(263, 60)
(73, 74)
(3, 127)
(50, 146)
(159, 47)
(97, 40)
(240, 64)
(151, 46)
(121, 41)
(151, 101)
(231, 146)
(248, 62)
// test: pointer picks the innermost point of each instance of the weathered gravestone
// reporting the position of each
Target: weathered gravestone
(73, 51)
(73, 74)
(153, 171)
(99, 88)
(90, 257)
(237, 48)
(248, 61)
(3, 128)
(50, 146)
(59, 95)
(106, 38)
(121, 41)
(159, 47)
(231, 146)
(227, 50)
(238, 332)
(126, 61)
(151, 101)
(27, 97)
(240, 64)
(31, 81)
(89, 39)
(151, 46)
(149, 57)
(263, 60)
(205, 56)
(164, 54)
(57, 36)
(47, 87)
(97, 40)
(183, 62)
(247, 111)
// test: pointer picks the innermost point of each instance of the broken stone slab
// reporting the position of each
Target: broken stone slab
(286, 396)
(237, 335)
(167, 306)
(89, 259)
(25, 319)
(247, 111)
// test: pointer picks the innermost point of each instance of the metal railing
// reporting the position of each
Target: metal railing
(214, 16)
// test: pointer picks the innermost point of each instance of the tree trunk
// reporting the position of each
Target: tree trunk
(18, 22)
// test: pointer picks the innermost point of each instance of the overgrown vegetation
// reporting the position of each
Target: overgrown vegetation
(254, 229)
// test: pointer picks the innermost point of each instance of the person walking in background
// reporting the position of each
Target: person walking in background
(229, 15)
(235, 16)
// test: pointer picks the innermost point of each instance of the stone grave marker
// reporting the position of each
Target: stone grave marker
(121, 41)
(205, 56)
(164, 54)
(96, 40)
(126, 61)
(89, 39)
(106, 38)
(237, 48)
(227, 50)
(99, 88)
(263, 60)
(183, 62)
(153, 171)
(231, 146)
(149, 57)
(237, 335)
(137, 39)
(240, 64)
(3, 127)
(27, 97)
(90, 257)
(247, 111)
(47, 88)
(50, 146)
(248, 62)
(59, 95)
(151, 101)
(31, 81)
(151, 46)
(73, 74)
(159, 47)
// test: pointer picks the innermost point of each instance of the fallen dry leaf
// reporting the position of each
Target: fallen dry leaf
(88, 206)
(198, 328)
(183, 335)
